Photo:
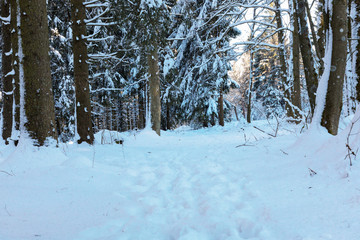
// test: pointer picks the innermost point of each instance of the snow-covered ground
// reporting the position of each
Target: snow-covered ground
(217, 183)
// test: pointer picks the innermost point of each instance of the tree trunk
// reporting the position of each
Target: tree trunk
(236, 113)
(357, 65)
(141, 121)
(248, 114)
(332, 111)
(168, 116)
(221, 109)
(313, 33)
(282, 59)
(34, 51)
(15, 65)
(7, 111)
(249, 106)
(121, 115)
(81, 73)
(154, 83)
(306, 53)
(296, 96)
(323, 28)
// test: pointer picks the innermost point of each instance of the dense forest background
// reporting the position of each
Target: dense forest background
(123, 65)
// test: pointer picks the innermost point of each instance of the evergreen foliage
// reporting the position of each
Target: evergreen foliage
(179, 52)
(201, 42)
(62, 68)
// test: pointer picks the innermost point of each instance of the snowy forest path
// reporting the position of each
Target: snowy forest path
(232, 183)
(183, 185)
(186, 186)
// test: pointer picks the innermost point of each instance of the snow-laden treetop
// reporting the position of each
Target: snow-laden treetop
(151, 3)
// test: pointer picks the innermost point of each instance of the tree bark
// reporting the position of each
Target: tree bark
(81, 73)
(357, 66)
(38, 96)
(296, 96)
(168, 115)
(321, 34)
(154, 84)
(282, 58)
(249, 107)
(141, 120)
(7, 112)
(15, 65)
(221, 109)
(313, 33)
(306, 53)
(332, 111)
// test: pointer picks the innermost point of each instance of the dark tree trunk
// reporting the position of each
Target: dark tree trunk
(154, 84)
(357, 68)
(121, 115)
(38, 96)
(306, 53)
(236, 113)
(313, 33)
(81, 73)
(323, 26)
(7, 111)
(296, 97)
(168, 115)
(221, 109)
(141, 121)
(15, 63)
(212, 119)
(332, 111)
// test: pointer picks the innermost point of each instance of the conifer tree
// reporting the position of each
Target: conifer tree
(145, 24)
(201, 42)
(62, 67)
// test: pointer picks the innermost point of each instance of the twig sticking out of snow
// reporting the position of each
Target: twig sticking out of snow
(245, 145)
(312, 172)
(272, 135)
(284, 152)
(276, 130)
(7, 211)
(10, 174)
(351, 154)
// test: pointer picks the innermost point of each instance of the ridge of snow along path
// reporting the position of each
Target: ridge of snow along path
(209, 184)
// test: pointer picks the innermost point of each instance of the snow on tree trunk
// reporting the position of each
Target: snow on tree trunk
(323, 83)
(333, 105)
